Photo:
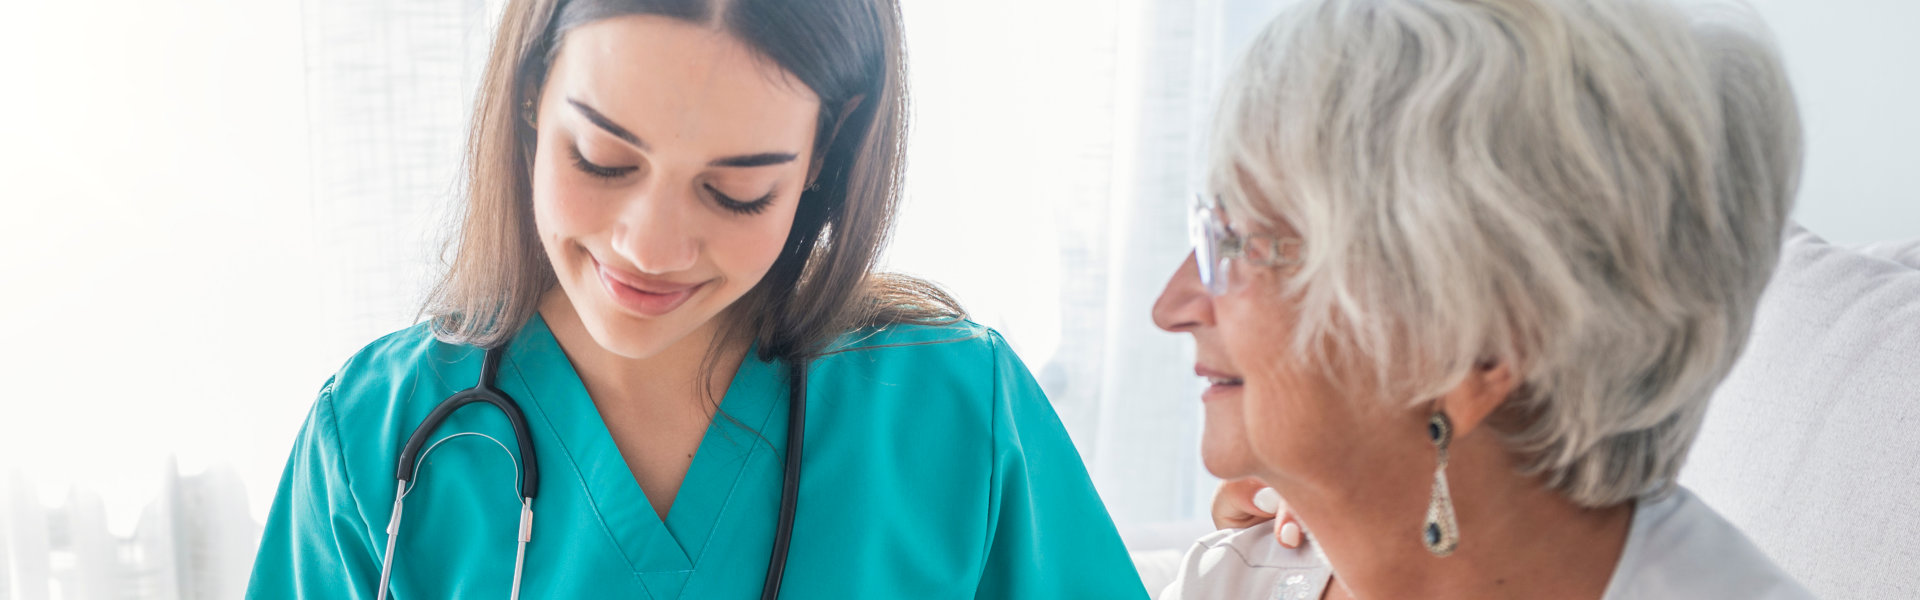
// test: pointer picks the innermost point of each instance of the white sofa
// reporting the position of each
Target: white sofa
(1812, 444)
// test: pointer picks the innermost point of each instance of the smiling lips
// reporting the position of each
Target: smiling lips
(643, 295)
(1219, 383)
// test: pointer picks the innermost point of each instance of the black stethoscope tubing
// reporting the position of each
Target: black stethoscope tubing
(485, 392)
(481, 392)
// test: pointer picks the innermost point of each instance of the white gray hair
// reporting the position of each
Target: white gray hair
(1591, 192)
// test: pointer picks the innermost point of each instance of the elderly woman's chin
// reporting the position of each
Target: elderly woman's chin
(1223, 442)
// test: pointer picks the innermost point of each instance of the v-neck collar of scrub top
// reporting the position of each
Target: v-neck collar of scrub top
(662, 554)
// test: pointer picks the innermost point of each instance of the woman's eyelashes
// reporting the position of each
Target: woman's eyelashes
(741, 207)
(752, 207)
(586, 166)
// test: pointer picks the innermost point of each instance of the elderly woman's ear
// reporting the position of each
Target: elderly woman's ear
(1477, 397)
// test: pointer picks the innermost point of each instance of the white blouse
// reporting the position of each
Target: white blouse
(1677, 548)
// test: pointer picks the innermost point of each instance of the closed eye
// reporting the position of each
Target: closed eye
(739, 207)
(586, 166)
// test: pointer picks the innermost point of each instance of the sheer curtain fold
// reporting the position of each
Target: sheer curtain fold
(1145, 463)
(1150, 471)
(254, 284)
(1124, 92)
(390, 88)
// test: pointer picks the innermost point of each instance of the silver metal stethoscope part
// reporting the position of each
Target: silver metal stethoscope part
(406, 487)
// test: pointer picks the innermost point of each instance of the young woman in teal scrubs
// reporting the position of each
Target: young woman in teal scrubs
(671, 203)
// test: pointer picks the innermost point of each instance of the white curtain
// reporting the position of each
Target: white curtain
(390, 87)
(156, 273)
(1054, 147)
(211, 204)
(222, 199)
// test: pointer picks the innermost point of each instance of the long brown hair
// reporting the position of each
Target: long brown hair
(823, 284)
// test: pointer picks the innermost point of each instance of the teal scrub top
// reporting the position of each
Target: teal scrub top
(933, 468)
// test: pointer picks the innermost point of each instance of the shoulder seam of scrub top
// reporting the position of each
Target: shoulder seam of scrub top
(862, 335)
(993, 508)
(346, 474)
(585, 491)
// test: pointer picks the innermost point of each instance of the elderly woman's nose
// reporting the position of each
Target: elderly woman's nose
(1184, 305)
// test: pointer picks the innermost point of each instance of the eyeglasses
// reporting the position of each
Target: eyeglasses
(1216, 245)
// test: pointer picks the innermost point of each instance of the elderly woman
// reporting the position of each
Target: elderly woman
(1465, 279)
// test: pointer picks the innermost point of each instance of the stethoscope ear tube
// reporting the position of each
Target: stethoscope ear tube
(481, 392)
(790, 483)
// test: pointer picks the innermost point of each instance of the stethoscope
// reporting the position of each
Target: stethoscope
(529, 469)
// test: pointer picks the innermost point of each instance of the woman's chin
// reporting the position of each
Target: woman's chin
(629, 337)
(1223, 441)
(1226, 459)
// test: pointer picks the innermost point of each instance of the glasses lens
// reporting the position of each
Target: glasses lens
(1222, 273)
(1207, 233)
(1198, 235)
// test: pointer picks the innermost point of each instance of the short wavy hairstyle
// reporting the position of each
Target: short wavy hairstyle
(1591, 192)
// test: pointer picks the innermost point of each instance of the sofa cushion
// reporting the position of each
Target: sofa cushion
(1812, 444)
(1906, 253)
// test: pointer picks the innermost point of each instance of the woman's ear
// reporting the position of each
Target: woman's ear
(1477, 396)
(846, 110)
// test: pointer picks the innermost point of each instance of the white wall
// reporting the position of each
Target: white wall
(156, 262)
(156, 246)
(1856, 67)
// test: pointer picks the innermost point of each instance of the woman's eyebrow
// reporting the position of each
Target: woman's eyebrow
(763, 159)
(603, 122)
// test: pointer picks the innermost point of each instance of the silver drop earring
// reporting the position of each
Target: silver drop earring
(1441, 533)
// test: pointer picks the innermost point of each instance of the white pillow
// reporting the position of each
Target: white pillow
(1812, 444)
(1906, 253)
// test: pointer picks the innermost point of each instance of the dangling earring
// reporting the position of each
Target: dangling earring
(1442, 533)
(526, 114)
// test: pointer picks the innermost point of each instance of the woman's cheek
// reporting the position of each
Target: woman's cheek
(1256, 335)
(564, 203)
(752, 249)
(547, 216)
(566, 212)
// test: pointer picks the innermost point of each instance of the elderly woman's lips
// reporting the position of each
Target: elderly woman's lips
(1218, 383)
(1216, 390)
(1214, 376)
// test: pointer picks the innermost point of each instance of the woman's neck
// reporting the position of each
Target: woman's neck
(1518, 539)
(657, 408)
(672, 378)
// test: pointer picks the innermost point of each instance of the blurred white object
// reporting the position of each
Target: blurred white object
(1809, 445)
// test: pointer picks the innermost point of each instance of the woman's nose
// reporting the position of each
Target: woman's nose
(658, 230)
(1184, 305)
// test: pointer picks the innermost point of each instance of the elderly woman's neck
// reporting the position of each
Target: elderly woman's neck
(1518, 539)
